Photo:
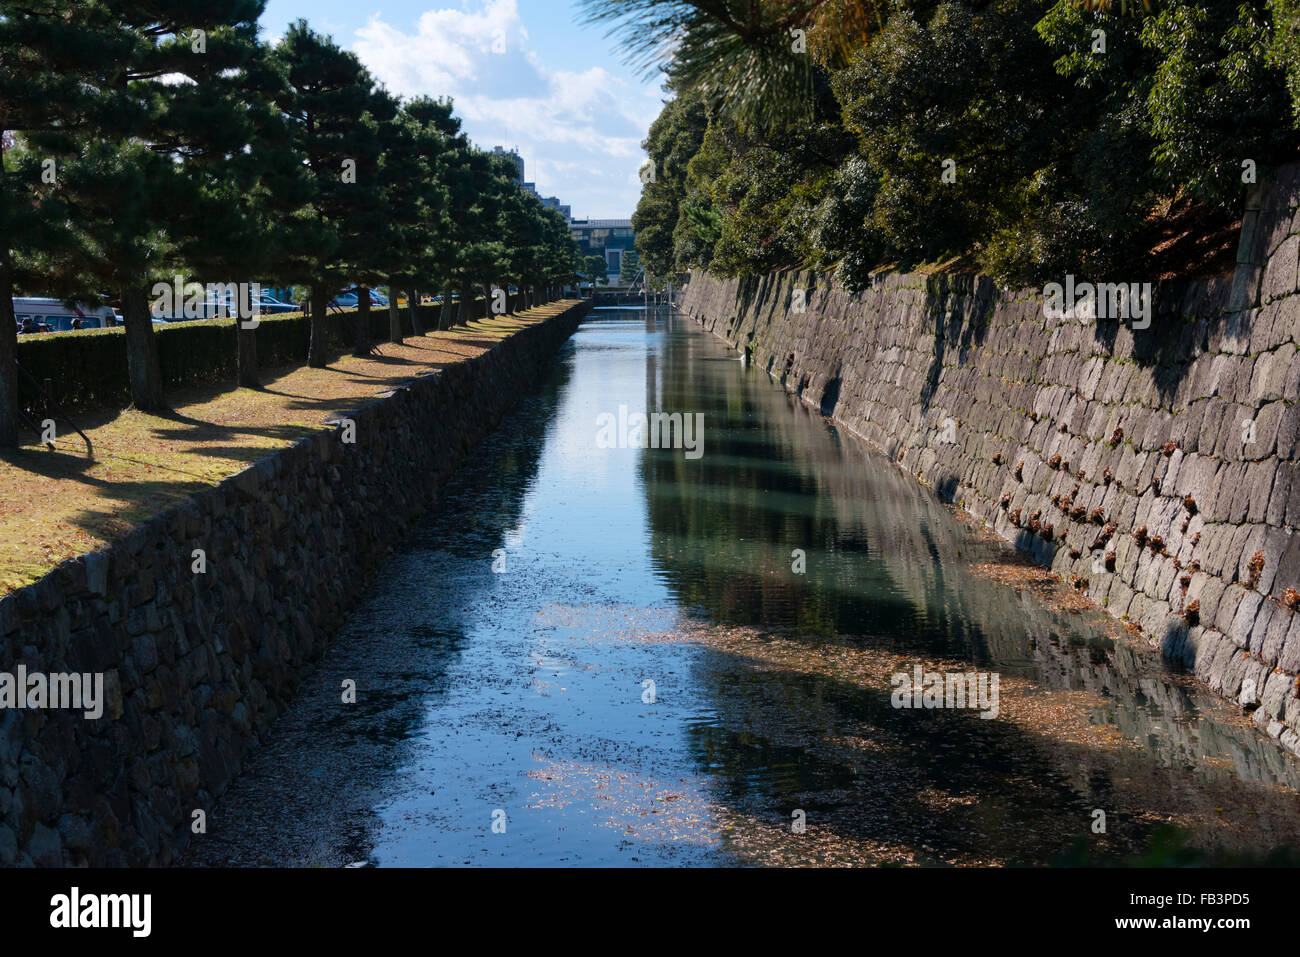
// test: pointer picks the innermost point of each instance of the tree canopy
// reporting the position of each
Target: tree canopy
(145, 141)
(1027, 138)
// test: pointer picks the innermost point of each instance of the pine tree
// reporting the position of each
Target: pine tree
(330, 99)
(524, 228)
(423, 205)
(480, 250)
(133, 172)
(251, 219)
(369, 240)
(401, 174)
(57, 57)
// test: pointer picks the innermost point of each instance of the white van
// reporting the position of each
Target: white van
(51, 315)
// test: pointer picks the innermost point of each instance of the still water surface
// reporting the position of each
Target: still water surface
(504, 656)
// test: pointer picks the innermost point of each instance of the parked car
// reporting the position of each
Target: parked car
(223, 306)
(212, 309)
(267, 305)
(348, 298)
(270, 305)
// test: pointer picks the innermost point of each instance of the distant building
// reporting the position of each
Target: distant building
(514, 156)
(553, 202)
(610, 238)
(550, 202)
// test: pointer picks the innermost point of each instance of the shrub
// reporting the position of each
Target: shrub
(89, 368)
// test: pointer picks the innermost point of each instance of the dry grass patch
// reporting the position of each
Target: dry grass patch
(58, 504)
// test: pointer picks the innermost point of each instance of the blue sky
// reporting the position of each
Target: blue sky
(523, 73)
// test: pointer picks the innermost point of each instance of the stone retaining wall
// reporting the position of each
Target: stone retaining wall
(1156, 469)
(198, 666)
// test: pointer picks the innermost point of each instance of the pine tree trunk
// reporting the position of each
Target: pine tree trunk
(466, 302)
(246, 355)
(318, 348)
(394, 317)
(142, 363)
(8, 355)
(447, 318)
(417, 324)
(8, 341)
(361, 323)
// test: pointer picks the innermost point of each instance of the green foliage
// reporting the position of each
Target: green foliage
(330, 102)
(630, 268)
(1214, 99)
(968, 94)
(595, 270)
(751, 194)
(699, 224)
(1061, 127)
(88, 368)
(1284, 51)
(739, 56)
(674, 138)
(841, 230)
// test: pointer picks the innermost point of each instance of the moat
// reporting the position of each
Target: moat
(631, 656)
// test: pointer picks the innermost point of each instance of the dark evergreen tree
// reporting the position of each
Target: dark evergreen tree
(60, 62)
(331, 100)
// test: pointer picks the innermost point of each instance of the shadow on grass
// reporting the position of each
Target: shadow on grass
(127, 503)
(191, 429)
(41, 462)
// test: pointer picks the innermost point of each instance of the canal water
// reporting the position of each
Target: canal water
(644, 656)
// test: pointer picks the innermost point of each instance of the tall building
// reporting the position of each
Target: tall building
(550, 202)
(511, 155)
(610, 238)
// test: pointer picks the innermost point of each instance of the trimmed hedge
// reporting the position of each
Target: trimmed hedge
(88, 368)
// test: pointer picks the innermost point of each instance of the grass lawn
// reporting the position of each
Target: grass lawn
(58, 504)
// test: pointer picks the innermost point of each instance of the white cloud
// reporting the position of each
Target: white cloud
(579, 131)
